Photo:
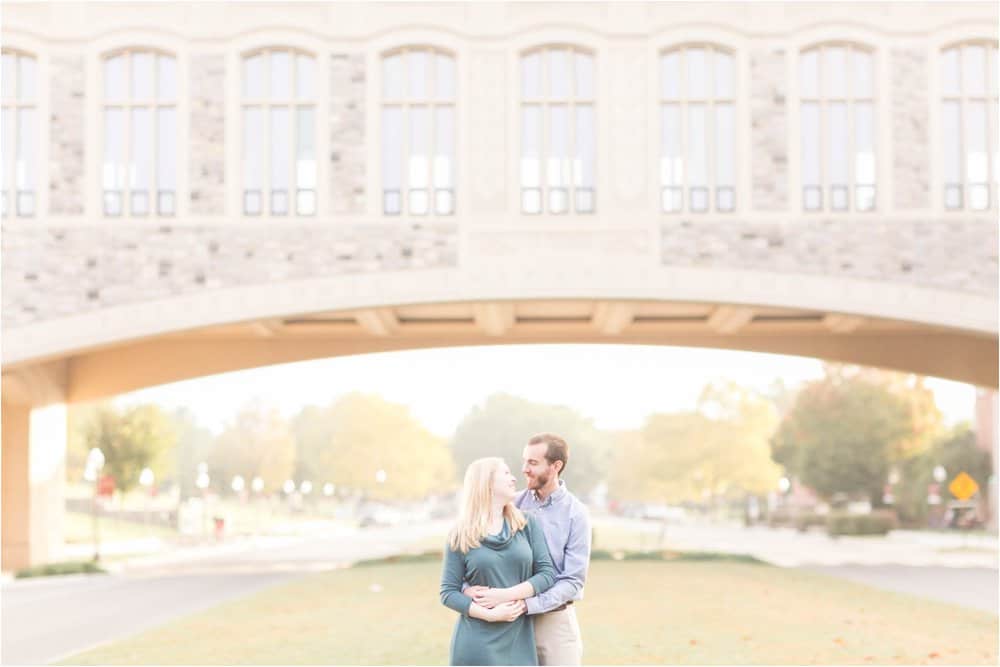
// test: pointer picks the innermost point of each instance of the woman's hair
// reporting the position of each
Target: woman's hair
(477, 497)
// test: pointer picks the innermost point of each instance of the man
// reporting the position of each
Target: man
(566, 525)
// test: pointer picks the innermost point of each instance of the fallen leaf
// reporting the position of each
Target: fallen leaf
(693, 642)
(746, 638)
(838, 640)
(934, 654)
(869, 658)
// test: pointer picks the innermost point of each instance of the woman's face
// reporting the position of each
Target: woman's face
(504, 485)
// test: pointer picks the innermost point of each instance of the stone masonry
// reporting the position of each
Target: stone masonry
(910, 168)
(208, 135)
(347, 133)
(66, 146)
(50, 273)
(769, 130)
(950, 254)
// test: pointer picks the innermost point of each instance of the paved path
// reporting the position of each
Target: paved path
(48, 619)
(968, 587)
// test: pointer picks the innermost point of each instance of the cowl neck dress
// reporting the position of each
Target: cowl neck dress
(501, 560)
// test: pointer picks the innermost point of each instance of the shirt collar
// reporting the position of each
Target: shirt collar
(556, 496)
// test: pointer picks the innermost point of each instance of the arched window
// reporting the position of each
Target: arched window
(969, 125)
(697, 129)
(558, 131)
(837, 121)
(20, 124)
(279, 133)
(139, 169)
(418, 132)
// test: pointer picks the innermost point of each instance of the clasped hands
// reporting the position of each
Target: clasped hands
(497, 600)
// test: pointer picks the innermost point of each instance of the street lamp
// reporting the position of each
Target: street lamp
(257, 485)
(784, 484)
(380, 476)
(288, 487)
(202, 483)
(238, 484)
(328, 489)
(306, 487)
(939, 474)
(146, 480)
(92, 473)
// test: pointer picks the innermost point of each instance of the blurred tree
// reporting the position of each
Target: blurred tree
(194, 443)
(504, 423)
(131, 439)
(719, 450)
(957, 452)
(258, 442)
(841, 435)
(348, 442)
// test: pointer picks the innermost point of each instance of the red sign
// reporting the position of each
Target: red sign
(106, 486)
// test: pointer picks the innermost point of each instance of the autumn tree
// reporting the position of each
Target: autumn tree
(503, 424)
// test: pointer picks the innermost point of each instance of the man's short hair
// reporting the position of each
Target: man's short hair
(556, 448)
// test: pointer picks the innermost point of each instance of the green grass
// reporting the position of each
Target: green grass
(635, 612)
(69, 567)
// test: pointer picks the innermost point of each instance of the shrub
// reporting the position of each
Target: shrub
(72, 567)
(878, 522)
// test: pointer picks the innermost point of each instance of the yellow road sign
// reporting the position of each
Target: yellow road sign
(963, 487)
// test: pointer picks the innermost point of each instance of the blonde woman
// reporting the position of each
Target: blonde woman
(495, 546)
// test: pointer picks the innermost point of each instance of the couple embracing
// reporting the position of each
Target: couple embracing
(516, 562)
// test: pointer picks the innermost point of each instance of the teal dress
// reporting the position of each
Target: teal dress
(500, 561)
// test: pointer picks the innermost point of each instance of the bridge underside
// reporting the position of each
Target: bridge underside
(35, 392)
(918, 348)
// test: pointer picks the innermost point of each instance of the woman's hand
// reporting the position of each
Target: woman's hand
(491, 597)
(506, 612)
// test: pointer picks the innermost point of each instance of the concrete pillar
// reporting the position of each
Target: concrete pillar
(987, 432)
(33, 453)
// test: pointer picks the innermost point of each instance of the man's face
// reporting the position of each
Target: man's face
(537, 469)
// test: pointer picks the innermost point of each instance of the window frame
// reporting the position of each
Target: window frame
(879, 129)
(940, 187)
(545, 103)
(265, 104)
(126, 105)
(405, 104)
(11, 204)
(709, 102)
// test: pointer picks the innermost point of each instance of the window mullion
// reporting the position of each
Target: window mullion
(291, 197)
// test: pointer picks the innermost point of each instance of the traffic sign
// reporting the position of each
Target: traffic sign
(963, 486)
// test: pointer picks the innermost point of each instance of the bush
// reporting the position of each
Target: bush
(73, 567)
(879, 522)
(807, 520)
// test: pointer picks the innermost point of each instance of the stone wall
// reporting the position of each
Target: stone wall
(950, 254)
(911, 150)
(66, 145)
(208, 135)
(769, 131)
(50, 273)
(347, 133)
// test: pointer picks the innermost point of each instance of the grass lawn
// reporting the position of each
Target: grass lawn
(636, 612)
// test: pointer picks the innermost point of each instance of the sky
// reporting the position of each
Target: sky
(617, 386)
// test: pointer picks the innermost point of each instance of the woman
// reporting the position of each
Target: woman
(494, 545)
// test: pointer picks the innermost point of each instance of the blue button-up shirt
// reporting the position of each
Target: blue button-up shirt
(566, 524)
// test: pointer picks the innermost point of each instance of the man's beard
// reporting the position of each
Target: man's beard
(538, 481)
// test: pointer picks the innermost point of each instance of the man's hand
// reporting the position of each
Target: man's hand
(491, 597)
(507, 611)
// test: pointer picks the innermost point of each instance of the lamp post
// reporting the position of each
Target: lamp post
(257, 485)
(146, 479)
(92, 473)
(202, 483)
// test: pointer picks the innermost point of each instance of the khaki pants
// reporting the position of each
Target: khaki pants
(557, 638)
